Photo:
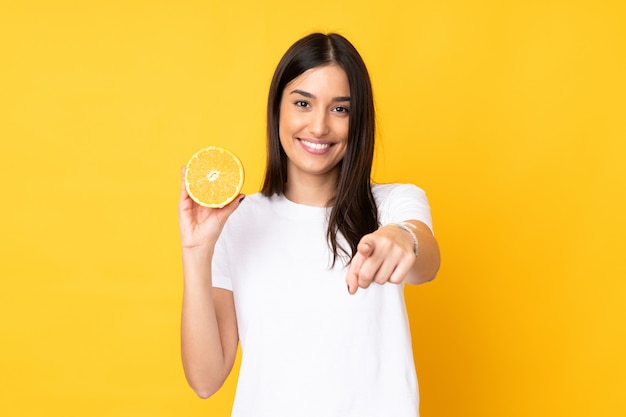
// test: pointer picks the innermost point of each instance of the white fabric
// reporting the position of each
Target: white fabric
(308, 347)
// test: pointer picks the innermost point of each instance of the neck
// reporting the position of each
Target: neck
(311, 190)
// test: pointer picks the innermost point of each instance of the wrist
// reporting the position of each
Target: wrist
(197, 266)
(407, 227)
(204, 252)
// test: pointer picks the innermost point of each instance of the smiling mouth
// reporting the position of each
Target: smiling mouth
(316, 146)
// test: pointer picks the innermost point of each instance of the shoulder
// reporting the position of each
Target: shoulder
(400, 202)
(251, 204)
(383, 192)
(258, 207)
(255, 199)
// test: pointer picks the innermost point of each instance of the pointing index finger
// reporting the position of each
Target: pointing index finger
(352, 278)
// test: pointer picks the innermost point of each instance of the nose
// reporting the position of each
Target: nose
(318, 124)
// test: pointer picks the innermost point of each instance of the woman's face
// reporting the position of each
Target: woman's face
(313, 124)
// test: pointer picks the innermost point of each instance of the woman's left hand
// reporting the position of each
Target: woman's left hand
(385, 255)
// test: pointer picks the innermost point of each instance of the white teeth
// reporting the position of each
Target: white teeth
(317, 146)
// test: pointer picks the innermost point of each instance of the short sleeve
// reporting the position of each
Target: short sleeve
(401, 202)
(220, 271)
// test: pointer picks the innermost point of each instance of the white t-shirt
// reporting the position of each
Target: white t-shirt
(309, 348)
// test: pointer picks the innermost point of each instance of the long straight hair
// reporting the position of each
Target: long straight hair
(354, 212)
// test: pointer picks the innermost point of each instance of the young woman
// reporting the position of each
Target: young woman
(308, 274)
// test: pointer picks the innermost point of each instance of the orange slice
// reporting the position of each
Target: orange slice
(213, 177)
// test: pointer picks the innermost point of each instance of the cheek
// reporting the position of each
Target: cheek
(283, 127)
(342, 129)
(287, 121)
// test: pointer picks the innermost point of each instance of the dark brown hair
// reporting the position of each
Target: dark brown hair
(354, 213)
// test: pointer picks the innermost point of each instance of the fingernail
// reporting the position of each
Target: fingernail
(241, 199)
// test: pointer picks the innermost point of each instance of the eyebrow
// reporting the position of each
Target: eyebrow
(309, 95)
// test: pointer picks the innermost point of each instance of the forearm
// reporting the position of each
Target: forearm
(427, 262)
(203, 354)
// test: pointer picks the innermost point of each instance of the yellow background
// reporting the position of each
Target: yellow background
(510, 114)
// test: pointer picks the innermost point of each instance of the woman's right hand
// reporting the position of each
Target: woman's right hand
(201, 226)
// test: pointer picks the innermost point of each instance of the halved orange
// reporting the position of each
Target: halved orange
(214, 177)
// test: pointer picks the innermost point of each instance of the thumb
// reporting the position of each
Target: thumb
(366, 246)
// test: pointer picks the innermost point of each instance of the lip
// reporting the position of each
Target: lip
(315, 146)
